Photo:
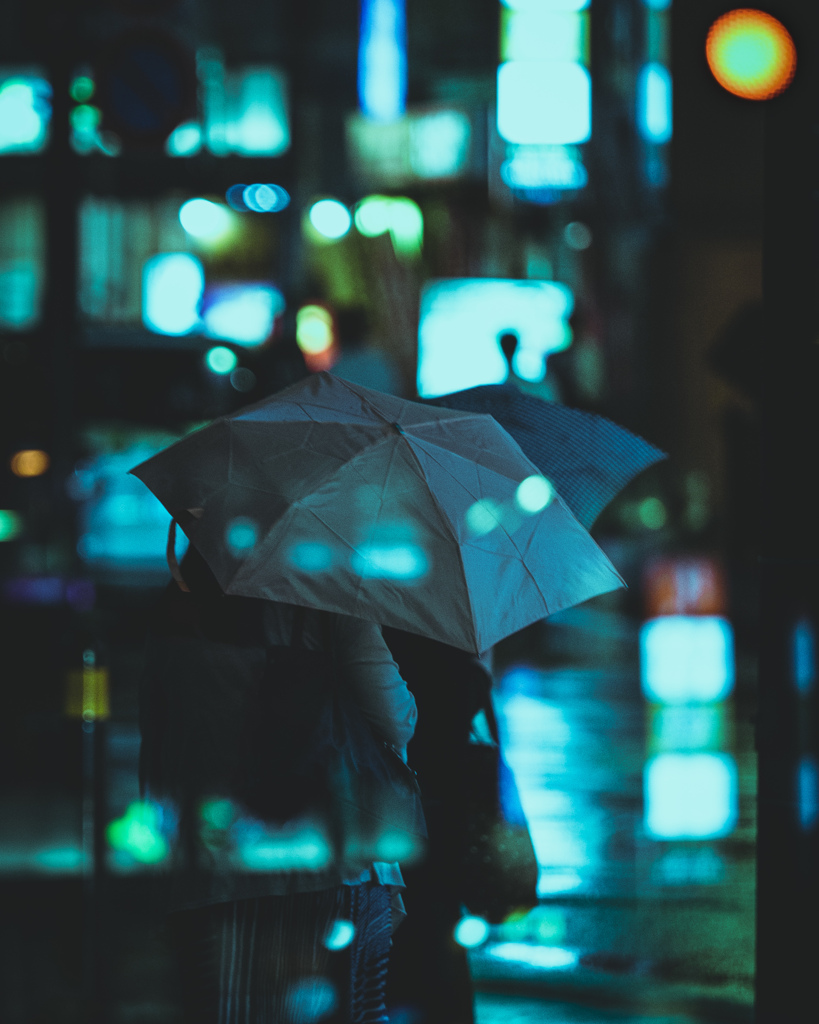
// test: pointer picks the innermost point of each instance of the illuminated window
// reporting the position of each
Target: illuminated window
(690, 796)
(544, 102)
(439, 143)
(117, 237)
(121, 524)
(461, 320)
(22, 251)
(654, 103)
(803, 656)
(172, 288)
(25, 111)
(244, 111)
(382, 59)
(686, 658)
(543, 33)
(808, 792)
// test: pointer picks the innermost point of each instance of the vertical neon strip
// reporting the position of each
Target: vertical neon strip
(382, 59)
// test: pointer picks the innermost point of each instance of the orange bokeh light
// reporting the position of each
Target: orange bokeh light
(751, 54)
(30, 462)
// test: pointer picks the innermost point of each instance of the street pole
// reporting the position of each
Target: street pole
(788, 832)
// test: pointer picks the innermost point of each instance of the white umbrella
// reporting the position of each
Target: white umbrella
(334, 496)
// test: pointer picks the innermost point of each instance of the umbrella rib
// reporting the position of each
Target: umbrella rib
(446, 523)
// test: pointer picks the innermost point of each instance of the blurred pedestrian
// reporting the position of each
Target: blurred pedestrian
(429, 975)
(229, 684)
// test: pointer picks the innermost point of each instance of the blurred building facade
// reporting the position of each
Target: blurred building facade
(193, 197)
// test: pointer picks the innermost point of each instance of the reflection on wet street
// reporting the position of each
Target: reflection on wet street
(641, 814)
(642, 818)
(496, 1009)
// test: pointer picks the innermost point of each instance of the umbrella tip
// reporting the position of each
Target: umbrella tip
(397, 428)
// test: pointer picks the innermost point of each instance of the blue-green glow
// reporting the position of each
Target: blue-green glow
(544, 167)
(185, 140)
(652, 514)
(82, 89)
(264, 198)
(461, 320)
(483, 516)
(803, 656)
(221, 360)
(686, 658)
(204, 219)
(808, 792)
(543, 34)
(137, 832)
(548, 957)
(340, 935)
(690, 796)
(382, 59)
(172, 287)
(654, 111)
(439, 143)
(311, 556)
(11, 524)
(375, 215)
(534, 494)
(406, 562)
(218, 814)
(544, 102)
(241, 313)
(547, 5)
(330, 218)
(242, 535)
(25, 111)
(471, 932)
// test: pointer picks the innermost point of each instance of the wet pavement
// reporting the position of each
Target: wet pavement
(631, 925)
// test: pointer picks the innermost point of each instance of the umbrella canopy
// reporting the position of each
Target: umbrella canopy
(588, 458)
(333, 496)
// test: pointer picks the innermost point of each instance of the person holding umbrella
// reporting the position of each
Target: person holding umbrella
(330, 498)
(304, 929)
(589, 459)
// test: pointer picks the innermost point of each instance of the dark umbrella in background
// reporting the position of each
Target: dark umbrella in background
(588, 458)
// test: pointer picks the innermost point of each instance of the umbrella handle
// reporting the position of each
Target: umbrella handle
(170, 555)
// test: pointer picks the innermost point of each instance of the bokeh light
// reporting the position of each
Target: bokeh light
(185, 140)
(534, 494)
(30, 462)
(221, 360)
(11, 524)
(244, 313)
(483, 516)
(751, 54)
(330, 218)
(471, 932)
(138, 833)
(401, 217)
(172, 287)
(265, 198)
(652, 513)
(314, 329)
(577, 235)
(340, 935)
(242, 535)
(25, 111)
(82, 89)
(204, 219)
